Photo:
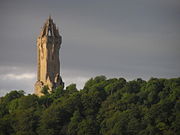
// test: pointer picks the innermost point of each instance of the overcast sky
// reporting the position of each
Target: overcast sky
(116, 38)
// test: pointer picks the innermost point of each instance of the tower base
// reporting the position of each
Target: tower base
(39, 85)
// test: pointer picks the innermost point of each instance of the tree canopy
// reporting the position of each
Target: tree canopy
(103, 107)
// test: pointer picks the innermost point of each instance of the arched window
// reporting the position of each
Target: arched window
(49, 33)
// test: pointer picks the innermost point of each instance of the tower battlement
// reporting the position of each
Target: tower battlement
(48, 46)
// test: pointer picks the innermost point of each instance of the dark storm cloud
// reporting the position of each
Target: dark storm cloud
(128, 38)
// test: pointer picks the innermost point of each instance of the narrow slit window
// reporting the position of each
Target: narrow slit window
(49, 33)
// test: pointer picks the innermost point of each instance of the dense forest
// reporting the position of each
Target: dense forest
(103, 107)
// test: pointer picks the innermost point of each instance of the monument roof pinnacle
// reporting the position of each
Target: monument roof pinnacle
(49, 28)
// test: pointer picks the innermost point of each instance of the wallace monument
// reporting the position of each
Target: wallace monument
(48, 46)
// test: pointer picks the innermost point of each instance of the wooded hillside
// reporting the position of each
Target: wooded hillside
(103, 107)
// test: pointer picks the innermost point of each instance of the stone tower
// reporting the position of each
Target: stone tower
(48, 46)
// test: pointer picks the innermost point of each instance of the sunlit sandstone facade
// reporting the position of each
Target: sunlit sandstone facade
(48, 46)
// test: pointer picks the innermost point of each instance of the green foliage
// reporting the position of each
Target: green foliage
(53, 120)
(45, 90)
(88, 126)
(57, 93)
(73, 124)
(103, 107)
(71, 88)
(25, 122)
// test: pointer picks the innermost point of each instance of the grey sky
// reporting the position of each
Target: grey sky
(116, 38)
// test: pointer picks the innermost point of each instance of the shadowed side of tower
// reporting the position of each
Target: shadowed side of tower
(48, 46)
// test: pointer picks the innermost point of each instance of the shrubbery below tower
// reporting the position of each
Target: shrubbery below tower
(48, 46)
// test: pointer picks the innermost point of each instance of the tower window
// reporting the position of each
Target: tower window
(49, 33)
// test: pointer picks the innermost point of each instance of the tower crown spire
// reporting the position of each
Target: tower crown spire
(50, 16)
(49, 28)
